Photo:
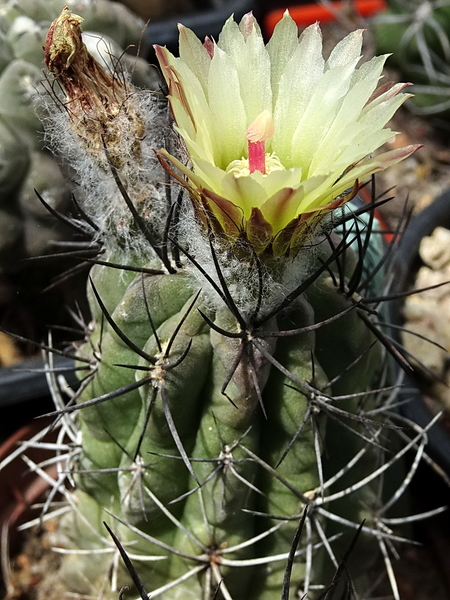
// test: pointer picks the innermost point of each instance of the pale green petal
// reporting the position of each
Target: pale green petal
(311, 43)
(372, 165)
(371, 69)
(231, 39)
(252, 63)
(247, 24)
(210, 175)
(325, 193)
(390, 93)
(199, 109)
(314, 189)
(281, 47)
(169, 65)
(363, 146)
(392, 156)
(297, 84)
(321, 111)
(227, 110)
(194, 55)
(192, 91)
(253, 66)
(374, 118)
(283, 206)
(345, 128)
(189, 173)
(182, 117)
(347, 51)
(245, 192)
(374, 110)
(276, 180)
(197, 148)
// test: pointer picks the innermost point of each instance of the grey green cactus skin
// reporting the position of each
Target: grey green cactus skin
(193, 477)
(25, 165)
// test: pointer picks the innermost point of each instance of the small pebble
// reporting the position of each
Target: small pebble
(426, 277)
(435, 249)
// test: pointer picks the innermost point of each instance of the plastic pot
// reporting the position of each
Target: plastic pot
(406, 262)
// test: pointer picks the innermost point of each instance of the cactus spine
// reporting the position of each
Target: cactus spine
(242, 374)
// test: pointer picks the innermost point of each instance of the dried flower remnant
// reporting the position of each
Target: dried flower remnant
(106, 129)
(98, 103)
(277, 136)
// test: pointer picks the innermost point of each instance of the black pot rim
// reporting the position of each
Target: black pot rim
(405, 261)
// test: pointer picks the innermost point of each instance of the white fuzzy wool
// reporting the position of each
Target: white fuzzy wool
(269, 285)
(99, 194)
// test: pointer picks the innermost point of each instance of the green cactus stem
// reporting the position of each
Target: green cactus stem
(236, 377)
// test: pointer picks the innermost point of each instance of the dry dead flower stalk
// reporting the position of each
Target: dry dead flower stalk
(97, 101)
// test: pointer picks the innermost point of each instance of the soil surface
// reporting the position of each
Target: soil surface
(33, 572)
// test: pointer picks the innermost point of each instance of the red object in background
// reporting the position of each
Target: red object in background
(306, 14)
(21, 488)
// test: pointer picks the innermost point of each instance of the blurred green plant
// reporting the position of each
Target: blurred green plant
(28, 229)
(417, 33)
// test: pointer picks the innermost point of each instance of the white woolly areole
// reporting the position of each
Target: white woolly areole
(100, 196)
(243, 280)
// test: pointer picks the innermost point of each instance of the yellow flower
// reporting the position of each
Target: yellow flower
(277, 136)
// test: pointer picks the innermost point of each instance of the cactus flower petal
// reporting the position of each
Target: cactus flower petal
(276, 130)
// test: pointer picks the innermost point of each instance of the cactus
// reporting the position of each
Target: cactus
(417, 33)
(28, 229)
(237, 377)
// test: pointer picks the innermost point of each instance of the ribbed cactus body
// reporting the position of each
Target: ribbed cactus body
(234, 376)
(210, 451)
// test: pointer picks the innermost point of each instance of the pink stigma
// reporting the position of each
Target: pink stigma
(259, 131)
(257, 156)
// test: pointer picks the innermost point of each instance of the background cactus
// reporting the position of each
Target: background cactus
(28, 228)
(417, 33)
(225, 388)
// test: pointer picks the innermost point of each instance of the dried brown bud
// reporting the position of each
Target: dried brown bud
(99, 104)
(63, 43)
